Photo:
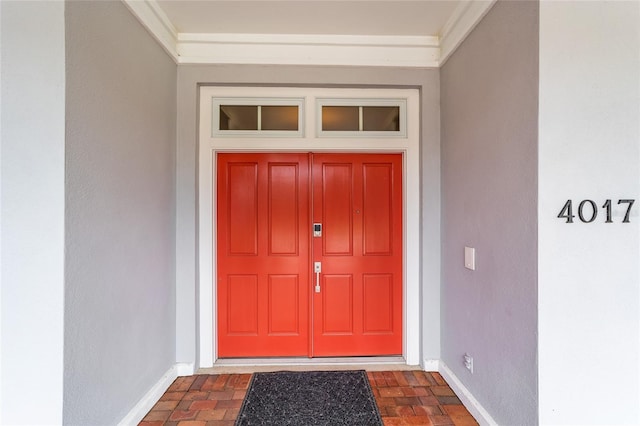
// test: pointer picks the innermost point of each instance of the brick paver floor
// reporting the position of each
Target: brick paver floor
(403, 398)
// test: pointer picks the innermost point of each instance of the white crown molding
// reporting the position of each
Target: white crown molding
(294, 49)
(153, 18)
(462, 21)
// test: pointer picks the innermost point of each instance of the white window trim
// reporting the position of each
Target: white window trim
(209, 146)
(361, 102)
(216, 102)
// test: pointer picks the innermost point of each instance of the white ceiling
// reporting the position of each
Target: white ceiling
(400, 33)
(418, 17)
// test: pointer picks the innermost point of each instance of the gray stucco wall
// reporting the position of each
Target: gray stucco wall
(189, 76)
(489, 186)
(120, 210)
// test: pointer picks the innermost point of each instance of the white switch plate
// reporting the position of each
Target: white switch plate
(470, 258)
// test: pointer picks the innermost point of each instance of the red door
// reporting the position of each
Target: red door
(267, 252)
(263, 255)
(358, 308)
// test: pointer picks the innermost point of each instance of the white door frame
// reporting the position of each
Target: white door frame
(209, 146)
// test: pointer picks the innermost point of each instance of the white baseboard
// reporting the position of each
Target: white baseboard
(185, 369)
(431, 364)
(468, 400)
(143, 406)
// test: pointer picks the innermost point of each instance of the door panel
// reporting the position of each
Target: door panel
(266, 204)
(337, 291)
(284, 305)
(377, 209)
(243, 202)
(358, 198)
(336, 214)
(284, 209)
(263, 255)
(377, 303)
(242, 305)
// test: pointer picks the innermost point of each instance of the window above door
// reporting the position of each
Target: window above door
(361, 118)
(258, 117)
(285, 117)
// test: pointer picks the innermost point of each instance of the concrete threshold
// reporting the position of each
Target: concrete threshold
(259, 365)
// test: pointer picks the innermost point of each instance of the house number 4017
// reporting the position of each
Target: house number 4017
(588, 211)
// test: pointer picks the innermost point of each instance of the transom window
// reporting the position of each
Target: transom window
(284, 117)
(257, 117)
(361, 118)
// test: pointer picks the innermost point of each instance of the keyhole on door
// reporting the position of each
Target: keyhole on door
(357, 211)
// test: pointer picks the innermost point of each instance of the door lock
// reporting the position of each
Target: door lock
(317, 230)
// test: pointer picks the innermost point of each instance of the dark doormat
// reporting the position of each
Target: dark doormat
(309, 398)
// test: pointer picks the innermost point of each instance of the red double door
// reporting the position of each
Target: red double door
(285, 290)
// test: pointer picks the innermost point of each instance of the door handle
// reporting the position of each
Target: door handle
(317, 268)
